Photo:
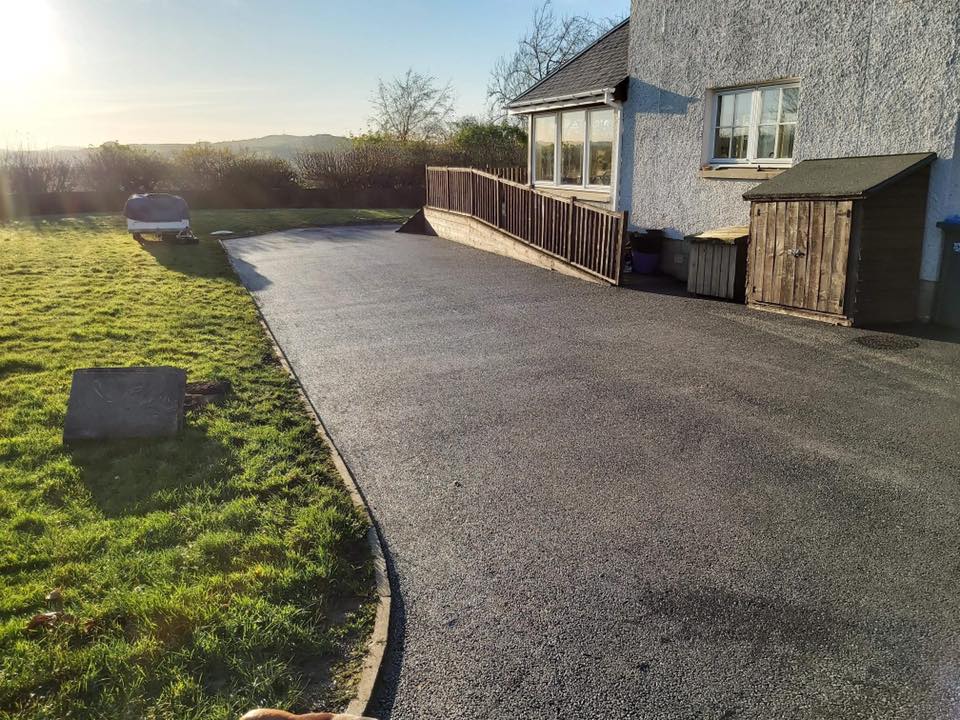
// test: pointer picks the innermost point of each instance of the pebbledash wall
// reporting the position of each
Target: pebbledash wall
(876, 77)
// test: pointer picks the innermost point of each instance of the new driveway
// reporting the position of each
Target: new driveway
(604, 503)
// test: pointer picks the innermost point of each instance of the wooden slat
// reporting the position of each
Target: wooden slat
(826, 260)
(838, 271)
(769, 252)
(732, 291)
(789, 247)
(814, 251)
(693, 268)
(723, 281)
(705, 268)
(776, 250)
(719, 257)
(803, 245)
(757, 235)
(716, 280)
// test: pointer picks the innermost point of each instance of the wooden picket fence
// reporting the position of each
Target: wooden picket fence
(581, 234)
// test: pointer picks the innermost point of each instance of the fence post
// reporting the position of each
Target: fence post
(426, 185)
(446, 188)
(499, 222)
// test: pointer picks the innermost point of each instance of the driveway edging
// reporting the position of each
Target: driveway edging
(377, 643)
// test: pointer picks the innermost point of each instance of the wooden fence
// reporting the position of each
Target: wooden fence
(516, 174)
(583, 235)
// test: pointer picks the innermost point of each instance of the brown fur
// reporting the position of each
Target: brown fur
(268, 714)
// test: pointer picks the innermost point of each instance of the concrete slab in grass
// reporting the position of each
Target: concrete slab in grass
(116, 403)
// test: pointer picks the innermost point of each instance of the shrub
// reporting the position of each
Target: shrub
(113, 167)
(23, 172)
(379, 161)
(204, 167)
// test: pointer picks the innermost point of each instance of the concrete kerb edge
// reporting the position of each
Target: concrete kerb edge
(377, 644)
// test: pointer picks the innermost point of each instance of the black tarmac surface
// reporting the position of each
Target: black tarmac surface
(611, 503)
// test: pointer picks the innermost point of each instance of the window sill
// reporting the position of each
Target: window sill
(579, 191)
(741, 173)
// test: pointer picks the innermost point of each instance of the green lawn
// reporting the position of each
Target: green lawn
(199, 576)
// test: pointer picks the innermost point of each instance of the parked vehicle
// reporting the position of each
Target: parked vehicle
(161, 214)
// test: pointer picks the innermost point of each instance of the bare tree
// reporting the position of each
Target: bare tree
(551, 41)
(25, 171)
(413, 107)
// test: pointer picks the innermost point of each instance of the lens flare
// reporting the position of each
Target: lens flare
(30, 49)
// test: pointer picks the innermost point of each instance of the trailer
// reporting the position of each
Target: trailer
(161, 214)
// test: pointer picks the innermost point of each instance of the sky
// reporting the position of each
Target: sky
(82, 72)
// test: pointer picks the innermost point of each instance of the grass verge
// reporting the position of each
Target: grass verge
(196, 577)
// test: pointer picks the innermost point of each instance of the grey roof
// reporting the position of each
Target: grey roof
(600, 66)
(850, 177)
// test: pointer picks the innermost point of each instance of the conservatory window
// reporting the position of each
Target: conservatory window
(574, 146)
(600, 138)
(572, 137)
(545, 138)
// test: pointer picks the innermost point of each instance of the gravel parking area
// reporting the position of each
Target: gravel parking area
(607, 503)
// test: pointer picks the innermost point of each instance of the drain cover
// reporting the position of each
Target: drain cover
(887, 342)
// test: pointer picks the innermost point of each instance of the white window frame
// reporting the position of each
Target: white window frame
(533, 149)
(558, 127)
(754, 133)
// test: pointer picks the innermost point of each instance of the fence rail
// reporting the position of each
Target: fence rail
(584, 235)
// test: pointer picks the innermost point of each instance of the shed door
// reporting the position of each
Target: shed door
(798, 254)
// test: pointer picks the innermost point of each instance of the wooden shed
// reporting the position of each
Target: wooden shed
(840, 239)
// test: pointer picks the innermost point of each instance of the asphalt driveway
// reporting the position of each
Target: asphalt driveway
(605, 503)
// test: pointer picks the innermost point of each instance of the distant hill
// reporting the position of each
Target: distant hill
(281, 146)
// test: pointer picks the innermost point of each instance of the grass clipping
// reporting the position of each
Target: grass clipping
(195, 577)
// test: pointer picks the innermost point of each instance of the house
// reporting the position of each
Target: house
(574, 121)
(676, 113)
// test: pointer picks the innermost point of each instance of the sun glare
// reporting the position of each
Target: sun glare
(29, 46)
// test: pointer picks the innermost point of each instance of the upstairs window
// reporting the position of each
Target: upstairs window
(574, 148)
(755, 125)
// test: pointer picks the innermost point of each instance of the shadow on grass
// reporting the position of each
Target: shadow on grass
(17, 364)
(133, 477)
(203, 259)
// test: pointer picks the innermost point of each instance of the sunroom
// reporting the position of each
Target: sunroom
(573, 122)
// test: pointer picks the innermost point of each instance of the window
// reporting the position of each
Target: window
(572, 138)
(575, 146)
(755, 125)
(545, 138)
(601, 147)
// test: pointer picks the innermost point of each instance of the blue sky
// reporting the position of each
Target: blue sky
(86, 71)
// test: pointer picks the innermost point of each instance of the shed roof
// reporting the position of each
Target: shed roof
(849, 177)
(599, 67)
